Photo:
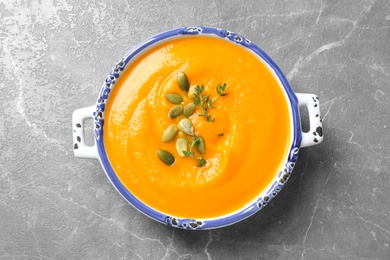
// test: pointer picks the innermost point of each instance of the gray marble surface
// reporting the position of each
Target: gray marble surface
(55, 55)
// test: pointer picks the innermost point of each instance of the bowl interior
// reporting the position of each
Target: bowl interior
(251, 206)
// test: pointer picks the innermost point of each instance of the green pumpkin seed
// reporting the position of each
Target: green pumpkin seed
(169, 133)
(186, 126)
(192, 92)
(181, 145)
(175, 111)
(200, 145)
(166, 157)
(174, 98)
(182, 80)
(189, 109)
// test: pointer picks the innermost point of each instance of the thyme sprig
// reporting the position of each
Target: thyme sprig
(220, 89)
(201, 162)
(204, 102)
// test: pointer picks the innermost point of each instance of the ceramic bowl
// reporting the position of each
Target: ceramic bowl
(298, 138)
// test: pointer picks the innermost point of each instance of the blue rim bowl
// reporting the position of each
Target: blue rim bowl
(197, 224)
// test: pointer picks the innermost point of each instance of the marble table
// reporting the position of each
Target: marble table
(54, 56)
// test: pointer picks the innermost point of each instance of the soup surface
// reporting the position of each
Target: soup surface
(245, 145)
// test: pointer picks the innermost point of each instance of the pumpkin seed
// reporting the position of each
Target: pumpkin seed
(174, 98)
(175, 111)
(189, 109)
(186, 126)
(192, 92)
(200, 145)
(181, 145)
(166, 157)
(182, 80)
(169, 133)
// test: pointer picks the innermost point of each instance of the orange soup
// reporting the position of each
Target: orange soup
(246, 142)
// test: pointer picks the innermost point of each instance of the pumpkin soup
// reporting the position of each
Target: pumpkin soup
(197, 127)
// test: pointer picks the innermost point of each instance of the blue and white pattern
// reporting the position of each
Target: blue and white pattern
(264, 199)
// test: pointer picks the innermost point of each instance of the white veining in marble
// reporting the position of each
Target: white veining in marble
(54, 56)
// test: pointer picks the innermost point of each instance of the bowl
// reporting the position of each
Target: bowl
(240, 144)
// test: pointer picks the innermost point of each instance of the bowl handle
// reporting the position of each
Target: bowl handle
(314, 135)
(80, 149)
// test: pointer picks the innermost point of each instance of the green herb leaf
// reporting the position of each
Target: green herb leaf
(205, 102)
(220, 89)
(201, 162)
(187, 153)
(195, 140)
